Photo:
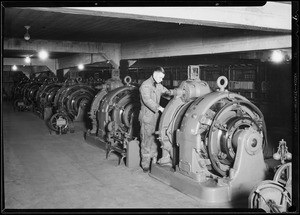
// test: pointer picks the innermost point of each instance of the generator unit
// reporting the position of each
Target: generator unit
(109, 85)
(44, 98)
(116, 125)
(25, 93)
(71, 104)
(19, 103)
(215, 140)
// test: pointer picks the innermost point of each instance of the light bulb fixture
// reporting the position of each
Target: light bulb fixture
(80, 66)
(277, 56)
(14, 68)
(43, 55)
(26, 35)
(27, 59)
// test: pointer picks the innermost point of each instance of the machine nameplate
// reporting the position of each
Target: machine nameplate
(61, 122)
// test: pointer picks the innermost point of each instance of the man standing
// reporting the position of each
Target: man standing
(151, 91)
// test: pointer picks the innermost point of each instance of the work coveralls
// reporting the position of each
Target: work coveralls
(150, 97)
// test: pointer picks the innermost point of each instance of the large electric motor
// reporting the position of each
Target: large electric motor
(44, 98)
(214, 138)
(117, 117)
(19, 102)
(71, 103)
(109, 85)
(30, 92)
(25, 93)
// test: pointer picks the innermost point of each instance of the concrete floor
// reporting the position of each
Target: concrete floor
(64, 172)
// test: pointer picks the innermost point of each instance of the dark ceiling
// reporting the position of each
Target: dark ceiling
(49, 25)
(74, 27)
(77, 27)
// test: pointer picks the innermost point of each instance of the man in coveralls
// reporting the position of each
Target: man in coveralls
(151, 91)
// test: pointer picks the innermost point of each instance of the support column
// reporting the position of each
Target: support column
(124, 65)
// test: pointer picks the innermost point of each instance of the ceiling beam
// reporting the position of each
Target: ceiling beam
(20, 63)
(167, 47)
(272, 16)
(58, 46)
(77, 59)
(109, 51)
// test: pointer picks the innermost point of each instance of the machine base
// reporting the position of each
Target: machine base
(95, 140)
(209, 193)
(131, 157)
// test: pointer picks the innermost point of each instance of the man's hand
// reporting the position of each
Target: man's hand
(169, 92)
(174, 92)
(161, 109)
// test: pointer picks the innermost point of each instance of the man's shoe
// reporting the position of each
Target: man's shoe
(165, 161)
(145, 170)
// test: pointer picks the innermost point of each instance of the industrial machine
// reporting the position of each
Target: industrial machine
(216, 141)
(25, 93)
(59, 104)
(275, 196)
(71, 104)
(18, 91)
(109, 85)
(44, 98)
(116, 109)
(30, 91)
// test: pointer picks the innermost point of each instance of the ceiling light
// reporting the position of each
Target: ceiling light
(26, 35)
(80, 66)
(27, 59)
(43, 55)
(277, 56)
(14, 68)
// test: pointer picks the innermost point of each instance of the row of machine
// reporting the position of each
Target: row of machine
(59, 104)
(217, 139)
